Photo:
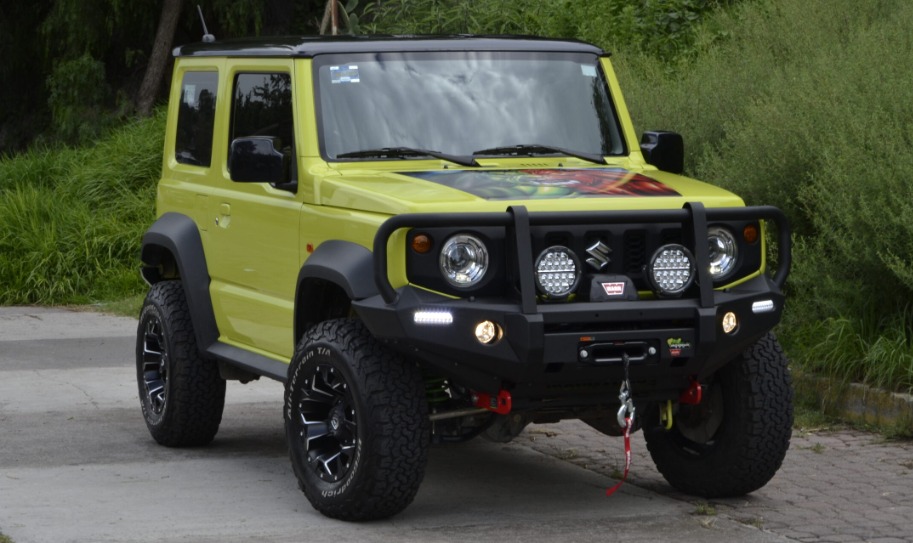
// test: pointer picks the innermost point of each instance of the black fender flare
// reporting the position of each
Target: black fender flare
(178, 235)
(347, 265)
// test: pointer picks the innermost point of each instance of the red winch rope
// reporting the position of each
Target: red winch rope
(610, 491)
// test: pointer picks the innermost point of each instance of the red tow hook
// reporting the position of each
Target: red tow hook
(693, 394)
(500, 404)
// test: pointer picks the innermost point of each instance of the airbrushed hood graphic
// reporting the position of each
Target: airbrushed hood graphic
(547, 183)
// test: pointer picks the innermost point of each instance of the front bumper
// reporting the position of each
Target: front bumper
(571, 354)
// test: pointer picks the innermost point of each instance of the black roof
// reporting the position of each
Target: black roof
(309, 46)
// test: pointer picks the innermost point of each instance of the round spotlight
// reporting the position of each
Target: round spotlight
(464, 260)
(730, 322)
(671, 270)
(724, 251)
(557, 272)
(488, 332)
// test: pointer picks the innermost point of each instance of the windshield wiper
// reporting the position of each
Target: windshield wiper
(533, 149)
(402, 152)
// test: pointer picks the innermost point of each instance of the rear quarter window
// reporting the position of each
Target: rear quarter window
(196, 117)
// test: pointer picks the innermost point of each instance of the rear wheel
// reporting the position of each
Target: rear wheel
(734, 441)
(181, 394)
(357, 425)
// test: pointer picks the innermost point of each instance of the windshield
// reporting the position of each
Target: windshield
(463, 103)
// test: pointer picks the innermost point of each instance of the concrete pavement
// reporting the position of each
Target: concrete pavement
(77, 464)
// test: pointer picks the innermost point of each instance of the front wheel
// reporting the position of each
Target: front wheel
(734, 441)
(356, 421)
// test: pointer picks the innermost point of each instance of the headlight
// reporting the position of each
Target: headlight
(464, 260)
(557, 271)
(671, 270)
(724, 252)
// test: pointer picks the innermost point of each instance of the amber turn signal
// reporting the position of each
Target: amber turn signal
(421, 243)
(750, 233)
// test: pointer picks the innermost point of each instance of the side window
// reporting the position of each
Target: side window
(196, 115)
(262, 106)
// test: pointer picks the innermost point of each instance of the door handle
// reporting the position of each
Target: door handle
(224, 218)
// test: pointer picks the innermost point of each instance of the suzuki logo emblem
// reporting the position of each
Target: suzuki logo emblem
(599, 252)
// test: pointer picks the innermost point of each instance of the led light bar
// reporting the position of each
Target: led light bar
(433, 318)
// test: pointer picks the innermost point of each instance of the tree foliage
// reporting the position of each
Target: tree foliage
(72, 68)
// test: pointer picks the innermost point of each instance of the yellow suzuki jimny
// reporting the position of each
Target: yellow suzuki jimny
(429, 239)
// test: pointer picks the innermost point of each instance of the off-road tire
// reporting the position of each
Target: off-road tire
(748, 440)
(181, 394)
(357, 424)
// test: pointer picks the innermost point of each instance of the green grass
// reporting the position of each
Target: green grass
(71, 220)
(704, 509)
(124, 307)
(5, 539)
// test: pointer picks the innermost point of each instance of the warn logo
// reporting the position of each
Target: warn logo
(614, 289)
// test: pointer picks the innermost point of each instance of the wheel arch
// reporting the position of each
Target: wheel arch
(336, 273)
(172, 249)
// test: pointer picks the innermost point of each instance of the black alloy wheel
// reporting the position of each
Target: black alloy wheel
(154, 365)
(327, 424)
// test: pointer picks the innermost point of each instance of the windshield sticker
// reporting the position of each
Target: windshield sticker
(344, 74)
(190, 95)
(544, 184)
(588, 70)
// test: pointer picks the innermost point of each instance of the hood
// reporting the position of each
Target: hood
(553, 189)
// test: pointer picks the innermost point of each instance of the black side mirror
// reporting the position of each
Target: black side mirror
(665, 150)
(256, 160)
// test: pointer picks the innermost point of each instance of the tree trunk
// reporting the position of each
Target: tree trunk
(158, 59)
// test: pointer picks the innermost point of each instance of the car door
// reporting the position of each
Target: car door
(253, 255)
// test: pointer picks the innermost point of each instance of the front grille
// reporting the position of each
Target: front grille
(630, 246)
(635, 254)
(517, 236)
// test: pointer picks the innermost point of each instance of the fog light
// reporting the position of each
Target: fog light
(762, 306)
(488, 332)
(671, 270)
(730, 322)
(438, 318)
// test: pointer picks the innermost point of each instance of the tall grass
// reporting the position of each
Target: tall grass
(71, 220)
(807, 105)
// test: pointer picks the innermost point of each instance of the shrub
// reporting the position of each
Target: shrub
(785, 106)
(663, 28)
